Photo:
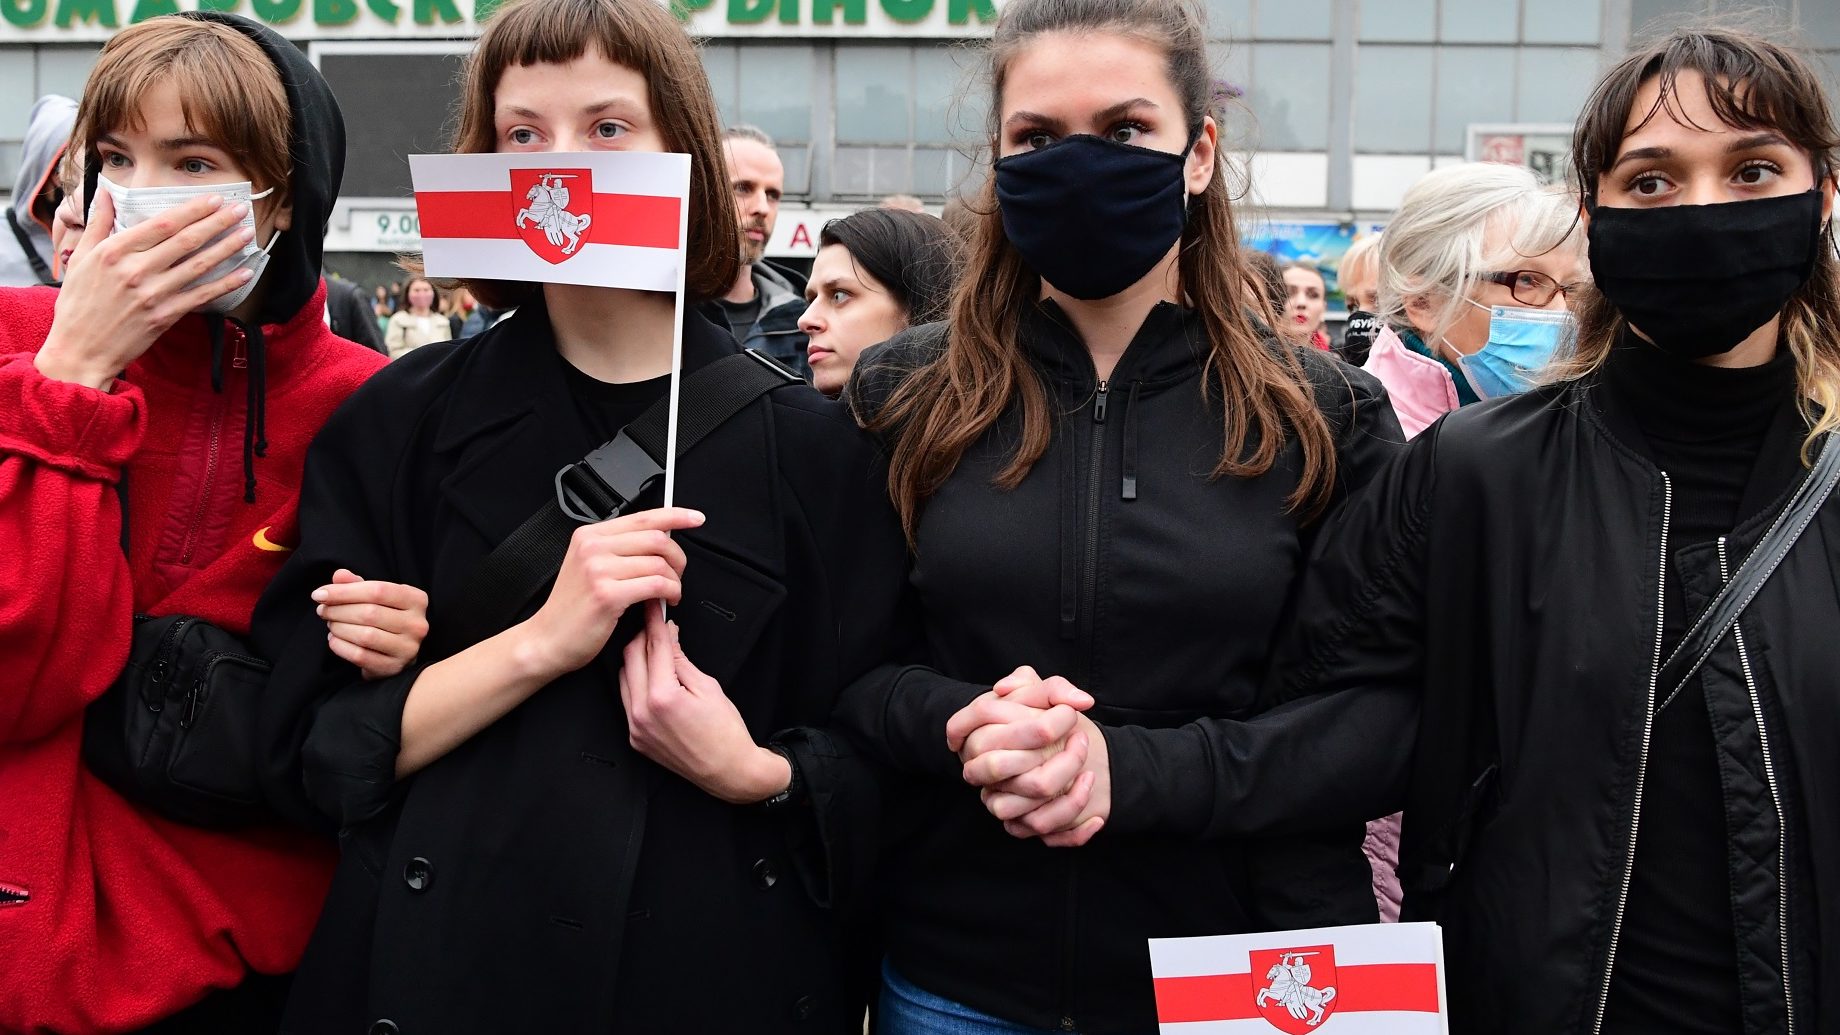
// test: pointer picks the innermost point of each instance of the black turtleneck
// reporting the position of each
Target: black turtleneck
(1676, 967)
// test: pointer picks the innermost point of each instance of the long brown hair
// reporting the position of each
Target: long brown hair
(1753, 84)
(944, 407)
(643, 36)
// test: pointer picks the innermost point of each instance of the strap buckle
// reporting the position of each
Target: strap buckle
(604, 483)
(774, 365)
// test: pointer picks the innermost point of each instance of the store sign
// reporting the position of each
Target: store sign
(1544, 149)
(379, 230)
(68, 21)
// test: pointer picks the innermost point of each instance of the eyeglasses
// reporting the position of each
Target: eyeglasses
(1529, 287)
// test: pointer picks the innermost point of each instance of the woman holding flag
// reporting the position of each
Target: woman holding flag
(557, 821)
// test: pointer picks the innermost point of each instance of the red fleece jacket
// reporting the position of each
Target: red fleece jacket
(110, 917)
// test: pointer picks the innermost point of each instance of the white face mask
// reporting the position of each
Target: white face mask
(136, 205)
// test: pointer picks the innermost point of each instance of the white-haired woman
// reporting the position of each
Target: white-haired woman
(1473, 273)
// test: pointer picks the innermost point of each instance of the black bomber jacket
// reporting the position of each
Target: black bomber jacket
(1506, 575)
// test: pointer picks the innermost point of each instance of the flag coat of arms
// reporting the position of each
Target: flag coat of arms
(598, 218)
(1375, 979)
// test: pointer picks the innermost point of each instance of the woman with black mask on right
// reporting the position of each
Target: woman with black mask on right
(1110, 474)
(1624, 807)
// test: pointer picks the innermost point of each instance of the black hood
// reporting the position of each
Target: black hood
(318, 146)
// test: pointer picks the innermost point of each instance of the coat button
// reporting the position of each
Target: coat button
(765, 876)
(804, 1008)
(418, 873)
(385, 1027)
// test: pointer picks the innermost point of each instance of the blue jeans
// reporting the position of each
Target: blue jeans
(909, 1010)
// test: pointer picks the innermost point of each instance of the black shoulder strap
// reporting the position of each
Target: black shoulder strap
(598, 487)
(39, 268)
(1723, 612)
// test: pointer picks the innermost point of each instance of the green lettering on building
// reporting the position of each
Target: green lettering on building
(89, 12)
(218, 5)
(482, 9)
(908, 11)
(145, 9)
(683, 9)
(276, 12)
(335, 12)
(384, 9)
(749, 12)
(25, 14)
(426, 11)
(958, 12)
(855, 12)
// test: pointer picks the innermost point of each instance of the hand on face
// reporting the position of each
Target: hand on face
(679, 717)
(122, 291)
(1042, 766)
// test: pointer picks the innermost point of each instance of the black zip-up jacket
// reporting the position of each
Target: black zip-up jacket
(1121, 564)
(1510, 567)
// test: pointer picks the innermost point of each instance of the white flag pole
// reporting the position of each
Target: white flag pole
(677, 346)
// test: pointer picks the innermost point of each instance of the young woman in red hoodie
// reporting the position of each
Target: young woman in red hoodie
(173, 382)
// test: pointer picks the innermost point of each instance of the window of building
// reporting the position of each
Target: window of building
(1287, 90)
(26, 74)
(1554, 83)
(769, 87)
(1474, 84)
(1392, 99)
(1292, 19)
(906, 120)
(1480, 21)
(398, 100)
(1406, 21)
(1562, 21)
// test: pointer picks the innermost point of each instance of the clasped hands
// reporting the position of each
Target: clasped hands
(1040, 764)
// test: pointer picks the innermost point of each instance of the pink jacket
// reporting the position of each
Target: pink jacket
(1420, 388)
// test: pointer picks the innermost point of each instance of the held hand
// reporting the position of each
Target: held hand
(122, 291)
(1071, 819)
(1013, 697)
(680, 718)
(610, 567)
(377, 626)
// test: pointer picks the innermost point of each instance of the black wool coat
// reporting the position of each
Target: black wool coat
(544, 876)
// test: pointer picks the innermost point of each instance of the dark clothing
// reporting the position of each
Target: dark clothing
(544, 874)
(779, 301)
(1118, 563)
(1503, 588)
(740, 316)
(605, 406)
(1677, 970)
(348, 313)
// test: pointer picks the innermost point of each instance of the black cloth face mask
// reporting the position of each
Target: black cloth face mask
(1092, 216)
(1358, 337)
(1698, 279)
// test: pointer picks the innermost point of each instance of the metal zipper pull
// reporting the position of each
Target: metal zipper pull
(1099, 403)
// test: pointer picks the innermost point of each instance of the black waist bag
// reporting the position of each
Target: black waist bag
(177, 730)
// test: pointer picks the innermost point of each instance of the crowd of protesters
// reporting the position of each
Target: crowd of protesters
(1049, 580)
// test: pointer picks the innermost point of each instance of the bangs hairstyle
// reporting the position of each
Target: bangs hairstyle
(229, 90)
(643, 36)
(1751, 84)
(1260, 391)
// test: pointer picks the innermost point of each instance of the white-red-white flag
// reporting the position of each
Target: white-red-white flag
(1375, 979)
(600, 218)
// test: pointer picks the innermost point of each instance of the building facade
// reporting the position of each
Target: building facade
(1342, 103)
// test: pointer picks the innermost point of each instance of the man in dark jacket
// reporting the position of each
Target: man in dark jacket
(348, 313)
(763, 307)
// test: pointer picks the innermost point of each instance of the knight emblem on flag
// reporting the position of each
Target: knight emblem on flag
(1295, 987)
(555, 210)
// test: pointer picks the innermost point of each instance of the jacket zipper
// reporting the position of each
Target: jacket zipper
(162, 670)
(1648, 730)
(1089, 601)
(212, 448)
(1782, 828)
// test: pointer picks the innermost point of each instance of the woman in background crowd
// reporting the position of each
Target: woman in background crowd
(878, 272)
(1306, 300)
(1359, 277)
(1473, 275)
(419, 323)
(1110, 477)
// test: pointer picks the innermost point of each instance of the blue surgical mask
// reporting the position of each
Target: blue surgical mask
(1521, 343)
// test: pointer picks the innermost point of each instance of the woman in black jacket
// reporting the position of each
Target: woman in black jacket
(1109, 476)
(1609, 850)
(536, 835)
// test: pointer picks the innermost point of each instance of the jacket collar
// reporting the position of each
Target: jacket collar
(1168, 345)
(515, 368)
(182, 356)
